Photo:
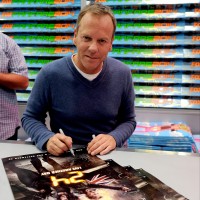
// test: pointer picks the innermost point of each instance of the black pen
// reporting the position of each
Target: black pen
(71, 150)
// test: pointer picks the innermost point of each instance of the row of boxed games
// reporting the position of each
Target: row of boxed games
(148, 102)
(164, 65)
(119, 52)
(166, 52)
(167, 102)
(137, 12)
(164, 78)
(168, 90)
(60, 3)
(122, 26)
(39, 15)
(193, 91)
(120, 39)
(39, 3)
(162, 3)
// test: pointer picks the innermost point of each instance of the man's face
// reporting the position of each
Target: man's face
(63, 197)
(93, 40)
(92, 194)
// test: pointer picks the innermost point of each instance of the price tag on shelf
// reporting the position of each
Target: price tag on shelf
(63, 1)
(7, 26)
(6, 1)
(63, 13)
(64, 25)
(7, 14)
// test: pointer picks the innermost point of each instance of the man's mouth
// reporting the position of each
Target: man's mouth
(93, 58)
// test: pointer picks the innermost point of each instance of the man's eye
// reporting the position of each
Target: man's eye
(102, 41)
(86, 38)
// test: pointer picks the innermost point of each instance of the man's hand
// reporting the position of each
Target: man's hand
(101, 144)
(58, 144)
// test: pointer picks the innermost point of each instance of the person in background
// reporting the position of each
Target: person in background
(86, 94)
(13, 76)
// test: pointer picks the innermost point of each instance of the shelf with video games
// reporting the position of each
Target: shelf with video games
(37, 27)
(160, 42)
(163, 65)
(38, 3)
(23, 39)
(38, 14)
(43, 29)
(167, 90)
(143, 2)
(157, 39)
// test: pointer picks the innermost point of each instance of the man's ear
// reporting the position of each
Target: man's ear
(110, 48)
(74, 38)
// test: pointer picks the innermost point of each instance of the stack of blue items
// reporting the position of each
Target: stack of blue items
(167, 136)
(197, 141)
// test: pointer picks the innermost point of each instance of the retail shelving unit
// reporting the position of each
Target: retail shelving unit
(160, 42)
(43, 29)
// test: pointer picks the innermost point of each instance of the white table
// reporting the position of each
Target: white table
(180, 171)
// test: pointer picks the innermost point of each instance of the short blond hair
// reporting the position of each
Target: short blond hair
(97, 9)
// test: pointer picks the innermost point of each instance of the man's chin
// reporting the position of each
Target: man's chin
(91, 64)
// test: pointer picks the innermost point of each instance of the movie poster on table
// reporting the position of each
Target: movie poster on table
(44, 176)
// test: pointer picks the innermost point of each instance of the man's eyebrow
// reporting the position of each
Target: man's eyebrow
(85, 35)
(104, 38)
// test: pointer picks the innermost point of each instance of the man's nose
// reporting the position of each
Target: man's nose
(93, 46)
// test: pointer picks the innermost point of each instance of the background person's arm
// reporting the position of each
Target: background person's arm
(13, 81)
(13, 70)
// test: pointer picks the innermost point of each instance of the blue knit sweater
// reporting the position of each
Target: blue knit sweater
(79, 106)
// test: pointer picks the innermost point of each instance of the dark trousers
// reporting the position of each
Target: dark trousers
(15, 136)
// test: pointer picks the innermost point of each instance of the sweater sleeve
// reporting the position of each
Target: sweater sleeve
(126, 119)
(33, 119)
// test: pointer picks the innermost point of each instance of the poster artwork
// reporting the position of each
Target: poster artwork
(46, 177)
